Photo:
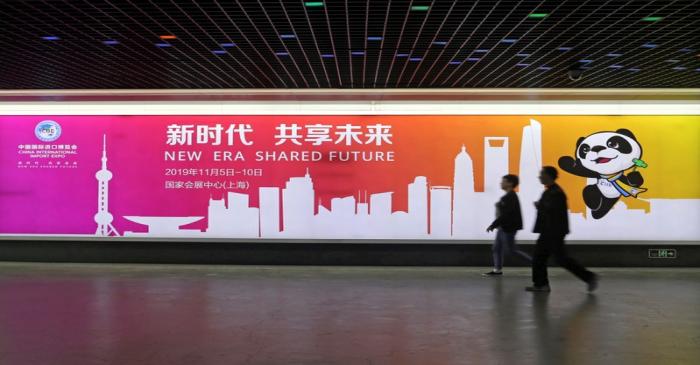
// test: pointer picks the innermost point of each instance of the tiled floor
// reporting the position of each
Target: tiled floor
(154, 314)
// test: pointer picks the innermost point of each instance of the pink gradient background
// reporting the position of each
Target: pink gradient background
(63, 201)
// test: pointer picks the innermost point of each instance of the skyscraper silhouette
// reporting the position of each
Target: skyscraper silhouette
(530, 165)
(464, 209)
(298, 205)
(440, 211)
(418, 205)
(103, 217)
(269, 198)
(495, 163)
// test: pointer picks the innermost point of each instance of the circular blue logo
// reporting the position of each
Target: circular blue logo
(47, 131)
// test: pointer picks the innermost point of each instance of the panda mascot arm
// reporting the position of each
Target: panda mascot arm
(573, 165)
(634, 178)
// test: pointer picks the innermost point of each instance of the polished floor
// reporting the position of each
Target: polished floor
(155, 314)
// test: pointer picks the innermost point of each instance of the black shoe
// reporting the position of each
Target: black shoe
(543, 288)
(593, 283)
(493, 273)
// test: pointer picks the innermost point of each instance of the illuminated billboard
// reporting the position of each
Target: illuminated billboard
(356, 177)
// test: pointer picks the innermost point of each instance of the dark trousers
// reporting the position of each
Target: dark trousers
(553, 244)
(505, 243)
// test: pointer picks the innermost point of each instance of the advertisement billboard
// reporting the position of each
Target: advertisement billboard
(422, 177)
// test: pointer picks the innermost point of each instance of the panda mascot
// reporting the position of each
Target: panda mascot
(606, 156)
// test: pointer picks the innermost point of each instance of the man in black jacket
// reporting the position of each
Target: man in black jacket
(508, 222)
(553, 225)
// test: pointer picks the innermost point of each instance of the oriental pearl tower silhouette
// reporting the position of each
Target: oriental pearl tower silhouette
(103, 218)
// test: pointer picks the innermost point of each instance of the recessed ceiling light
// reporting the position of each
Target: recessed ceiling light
(168, 36)
(313, 4)
(111, 42)
(374, 38)
(415, 59)
(402, 55)
(481, 50)
(649, 45)
(357, 53)
(163, 45)
(673, 61)
(327, 55)
(420, 8)
(287, 36)
(523, 55)
(523, 64)
(440, 43)
(615, 66)
(680, 68)
(614, 54)
(652, 18)
(544, 68)
(565, 49)
(50, 38)
(538, 15)
(585, 61)
(281, 53)
(455, 63)
(509, 40)
(472, 59)
(219, 51)
(228, 45)
(633, 69)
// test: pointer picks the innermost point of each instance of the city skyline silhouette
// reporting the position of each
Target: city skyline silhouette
(434, 211)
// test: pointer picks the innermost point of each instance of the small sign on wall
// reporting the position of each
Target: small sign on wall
(663, 253)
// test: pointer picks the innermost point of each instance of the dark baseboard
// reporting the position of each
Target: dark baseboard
(324, 253)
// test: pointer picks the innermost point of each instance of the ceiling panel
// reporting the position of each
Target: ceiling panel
(101, 44)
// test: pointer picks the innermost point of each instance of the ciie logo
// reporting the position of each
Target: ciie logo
(47, 131)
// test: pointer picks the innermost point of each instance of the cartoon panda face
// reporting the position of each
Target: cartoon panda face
(608, 152)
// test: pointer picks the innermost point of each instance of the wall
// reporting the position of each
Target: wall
(542, 108)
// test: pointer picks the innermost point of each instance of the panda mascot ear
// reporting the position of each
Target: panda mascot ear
(626, 132)
(580, 140)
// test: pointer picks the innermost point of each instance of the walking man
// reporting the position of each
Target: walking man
(508, 222)
(553, 225)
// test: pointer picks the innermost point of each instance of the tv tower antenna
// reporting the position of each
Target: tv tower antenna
(103, 218)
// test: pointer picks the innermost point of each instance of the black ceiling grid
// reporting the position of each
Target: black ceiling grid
(566, 45)
(207, 34)
(218, 44)
(439, 38)
(90, 47)
(397, 53)
(622, 37)
(495, 31)
(453, 50)
(13, 54)
(674, 54)
(519, 31)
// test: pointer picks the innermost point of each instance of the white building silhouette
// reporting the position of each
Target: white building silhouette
(464, 210)
(495, 164)
(103, 217)
(164, 226)
(440, 211)
(530, 188)
(269, 198)
(233, 218)
(298, 205)
(417, 219)
(445, 212)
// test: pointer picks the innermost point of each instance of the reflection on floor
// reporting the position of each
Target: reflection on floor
(155, 314)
